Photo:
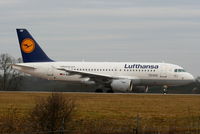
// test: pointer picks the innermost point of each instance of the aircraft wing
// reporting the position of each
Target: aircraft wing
(93, 76)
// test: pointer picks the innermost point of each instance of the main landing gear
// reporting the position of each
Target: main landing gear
(110, 91)
(101, 91)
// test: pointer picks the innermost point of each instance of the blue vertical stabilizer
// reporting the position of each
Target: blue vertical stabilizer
(30, 49)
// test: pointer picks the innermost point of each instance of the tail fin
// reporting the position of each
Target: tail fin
(30, 49)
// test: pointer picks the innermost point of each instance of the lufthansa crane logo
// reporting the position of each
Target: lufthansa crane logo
(27, 45)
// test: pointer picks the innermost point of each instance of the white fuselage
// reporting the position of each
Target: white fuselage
(142, 74)
(120, 76)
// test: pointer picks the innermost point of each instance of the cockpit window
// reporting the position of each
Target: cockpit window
(179, 70)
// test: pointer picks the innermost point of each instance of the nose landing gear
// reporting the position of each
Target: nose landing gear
(165, 89)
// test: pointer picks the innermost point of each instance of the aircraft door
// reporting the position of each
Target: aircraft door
(50, 73)
(163, 71)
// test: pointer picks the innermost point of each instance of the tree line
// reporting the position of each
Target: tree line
(9, 78)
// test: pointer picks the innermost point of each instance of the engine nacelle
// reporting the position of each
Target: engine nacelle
(123, 85)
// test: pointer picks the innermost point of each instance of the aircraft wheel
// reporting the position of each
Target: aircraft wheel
(99, 90)
(110, 91)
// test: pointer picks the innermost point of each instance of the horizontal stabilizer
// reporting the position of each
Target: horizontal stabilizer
(22, 67)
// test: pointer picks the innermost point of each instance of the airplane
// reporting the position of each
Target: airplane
(106, 76)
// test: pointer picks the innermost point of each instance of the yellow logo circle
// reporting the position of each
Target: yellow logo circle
(27, 45)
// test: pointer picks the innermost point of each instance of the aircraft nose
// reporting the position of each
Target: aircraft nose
(190, 77)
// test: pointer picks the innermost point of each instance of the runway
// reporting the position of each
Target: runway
(99, 93)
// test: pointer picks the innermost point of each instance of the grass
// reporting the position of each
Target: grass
(119, 109)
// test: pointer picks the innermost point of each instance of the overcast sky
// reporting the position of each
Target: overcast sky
(107, 30)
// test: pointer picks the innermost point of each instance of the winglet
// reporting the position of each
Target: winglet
(30, 49)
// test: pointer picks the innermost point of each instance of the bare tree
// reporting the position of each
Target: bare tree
(11, 120)
(10, 78)
(52, 113)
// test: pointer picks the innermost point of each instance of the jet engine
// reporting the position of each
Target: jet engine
(123, 85)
